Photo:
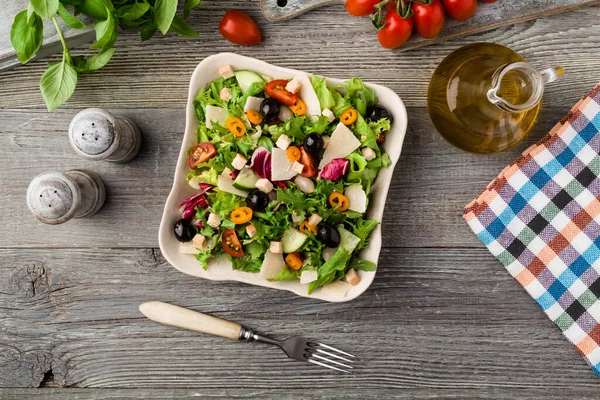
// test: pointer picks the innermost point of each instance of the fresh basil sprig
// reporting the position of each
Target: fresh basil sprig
(59, 80)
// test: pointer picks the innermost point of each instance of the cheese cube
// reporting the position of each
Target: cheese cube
(199, 242)
(276, 248)
(264, 185)
(328, 114)
(285, 114)
(368, 153)
(295, 217)
(253, 103)
(283, 142)
(293, 86)
(226, 71)
(225, 94)
(213, 220)
(297, 167)
(352, 277)
(239, 161)
(326, 140)
(315, 219)
(251, 230)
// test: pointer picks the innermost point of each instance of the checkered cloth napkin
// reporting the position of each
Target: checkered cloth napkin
(541, 218)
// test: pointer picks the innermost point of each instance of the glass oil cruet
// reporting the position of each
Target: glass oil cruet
(484, 97)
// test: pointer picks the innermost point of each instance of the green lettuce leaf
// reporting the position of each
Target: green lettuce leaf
(324, 94)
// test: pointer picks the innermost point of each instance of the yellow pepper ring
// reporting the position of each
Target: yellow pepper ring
(236, 126)
(339, 201)
(349, 116)
(241, 215)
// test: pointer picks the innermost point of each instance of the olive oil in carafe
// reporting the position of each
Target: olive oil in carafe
(461, 109)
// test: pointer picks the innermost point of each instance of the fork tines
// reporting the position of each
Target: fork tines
(329, 357)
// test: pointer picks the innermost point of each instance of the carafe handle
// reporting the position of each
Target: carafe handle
(550, 75)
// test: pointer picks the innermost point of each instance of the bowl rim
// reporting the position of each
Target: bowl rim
(394, 138)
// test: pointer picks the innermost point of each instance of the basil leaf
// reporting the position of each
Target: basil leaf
(26, 39)
(133, 11)
(45, 8)
(164, 12)
(148, 30)
(72, 2)
(86, 65)
(188, 6)
(96, 9)
(30, 14)
(182, 28)
(106, 32)
(69, 18)
(58, 84)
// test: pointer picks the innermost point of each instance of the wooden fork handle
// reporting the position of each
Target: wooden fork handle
(180, 317)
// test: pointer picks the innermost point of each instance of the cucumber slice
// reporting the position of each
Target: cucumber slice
(246, 180)
(246, 78)
(292, 240)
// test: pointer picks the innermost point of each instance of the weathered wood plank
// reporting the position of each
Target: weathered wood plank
(435, 319)
(156, 73)
(292, 394)
(424, 205)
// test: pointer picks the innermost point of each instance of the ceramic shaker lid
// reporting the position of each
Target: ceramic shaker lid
(52, 197)
(92, 133)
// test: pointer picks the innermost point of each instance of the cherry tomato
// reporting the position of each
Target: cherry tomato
(201, 154)
(239, 28)
(231, 244)
(310, 168)
(396, 32)
(428, 18)
(276, 90)
(361, 8)
(460, 10)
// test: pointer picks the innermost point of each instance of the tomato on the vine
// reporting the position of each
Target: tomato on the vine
(396, 31)
(460, 10)
(361, 8)
(239, 28)
(428, 18)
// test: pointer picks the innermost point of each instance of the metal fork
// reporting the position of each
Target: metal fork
(297, 347)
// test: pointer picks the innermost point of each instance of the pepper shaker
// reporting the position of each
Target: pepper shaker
(96, 134)
(55, 198)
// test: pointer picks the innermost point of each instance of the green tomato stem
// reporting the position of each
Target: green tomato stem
(66, 53)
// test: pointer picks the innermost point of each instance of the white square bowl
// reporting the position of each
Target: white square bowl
(206, 72)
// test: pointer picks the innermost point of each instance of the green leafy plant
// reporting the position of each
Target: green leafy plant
(60, 79)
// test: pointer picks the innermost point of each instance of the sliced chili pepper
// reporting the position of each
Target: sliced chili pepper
(299, 108)
(339, 201)
(294, 261)
(254, 116)
(236, 126)
(292, 153)
(241, 215)
(306, 227)
(349, 116)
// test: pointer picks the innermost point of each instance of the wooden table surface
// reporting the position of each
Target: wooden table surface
(442, 318)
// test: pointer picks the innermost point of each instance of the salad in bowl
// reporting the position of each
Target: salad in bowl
(282, 172)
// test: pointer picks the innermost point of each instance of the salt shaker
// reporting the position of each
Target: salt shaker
(55, 198)
(96, 134)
